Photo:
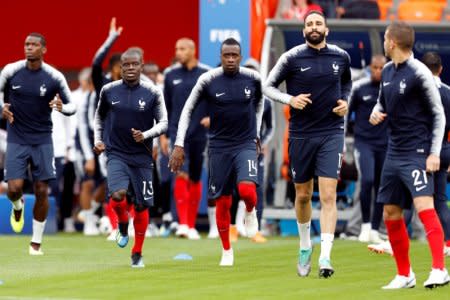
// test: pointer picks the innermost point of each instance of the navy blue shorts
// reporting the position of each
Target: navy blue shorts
(39, 157)
(122, 176)
(404, 179)
(226, 169)
(316, 156)
(194, 154)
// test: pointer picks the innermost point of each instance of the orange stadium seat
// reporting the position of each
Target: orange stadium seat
(427, 11)
(385, 6)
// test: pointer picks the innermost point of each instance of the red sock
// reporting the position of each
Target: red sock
(181, 194)
(195, 195)
(398, 237)
(247, 191)
(140, 223)
(223, 219)
(130, 208)
(111, 215)
(435, 236)
(121, 209)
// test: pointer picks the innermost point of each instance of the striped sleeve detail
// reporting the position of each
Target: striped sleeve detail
(104, 48)
(278, 74)
(159, 114)
(260, 105)
(7, 72)
(434, 100)
(101, 111)
(192, 101)
(69, 107)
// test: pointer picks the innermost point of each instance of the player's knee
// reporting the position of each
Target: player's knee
(247, 190)
(391, 213)
(140, 207)
(303, 198)
(41, 190)
(119, 195)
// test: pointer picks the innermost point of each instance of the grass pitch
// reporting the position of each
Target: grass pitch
(77, 267)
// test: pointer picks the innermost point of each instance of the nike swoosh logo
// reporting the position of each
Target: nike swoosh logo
(177, 81)
(147, 198)
(418, 189)
(252, 175)
(15, 87)
(305, 69)
(386, 83)
(218, 95)
(114, 102)
(365, 98)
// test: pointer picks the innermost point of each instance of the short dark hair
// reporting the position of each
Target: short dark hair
(40, 36)
(133, 51)
(402, 33)
(114, 59)
(316, 12)
(231, 42)
(433, 61)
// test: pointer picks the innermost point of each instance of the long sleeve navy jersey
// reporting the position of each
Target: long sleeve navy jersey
(235, 106)
(99, 79)
(415, 116)
(325, 74)
(362, 99)
(84, 133)
(128, 107)
(178, 84)
(444, 91)
(29, 92)
(267, 124)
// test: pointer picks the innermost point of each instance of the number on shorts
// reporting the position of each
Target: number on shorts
(147, 188)
(416, 175)
(252, 167)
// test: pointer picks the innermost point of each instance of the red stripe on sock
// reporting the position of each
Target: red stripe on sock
(247, 191)
(181, 194)
(435, 236)
(223, 219)
(141, 220)
(195, 195)
(398, 237)
(121, 209)
(111, 215)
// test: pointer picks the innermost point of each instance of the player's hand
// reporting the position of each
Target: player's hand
(155, 153)
(176, 159)
(56, 103)
(205, 122)
(433, 162)
(300, 101)
(7, 114)
(138, 136)
(99, 148)
(377, 117)
(258, 147)
(164, 144)
(113, 28)
(341, 108)
(89, 167)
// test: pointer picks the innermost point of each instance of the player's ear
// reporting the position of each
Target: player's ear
(44, 50)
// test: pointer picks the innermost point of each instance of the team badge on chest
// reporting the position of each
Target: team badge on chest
(141, 104)
(247, 92)
(42, 90)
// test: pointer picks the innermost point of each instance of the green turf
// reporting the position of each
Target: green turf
(77, 267)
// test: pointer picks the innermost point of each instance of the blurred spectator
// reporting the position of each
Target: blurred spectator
(299, 9)
(358, 9)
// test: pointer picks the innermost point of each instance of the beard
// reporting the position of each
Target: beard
(315, 40)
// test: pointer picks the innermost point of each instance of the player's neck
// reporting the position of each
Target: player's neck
(132, 83)
(320, 46)
(34, 64)
(191, 64)
(400, 57)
